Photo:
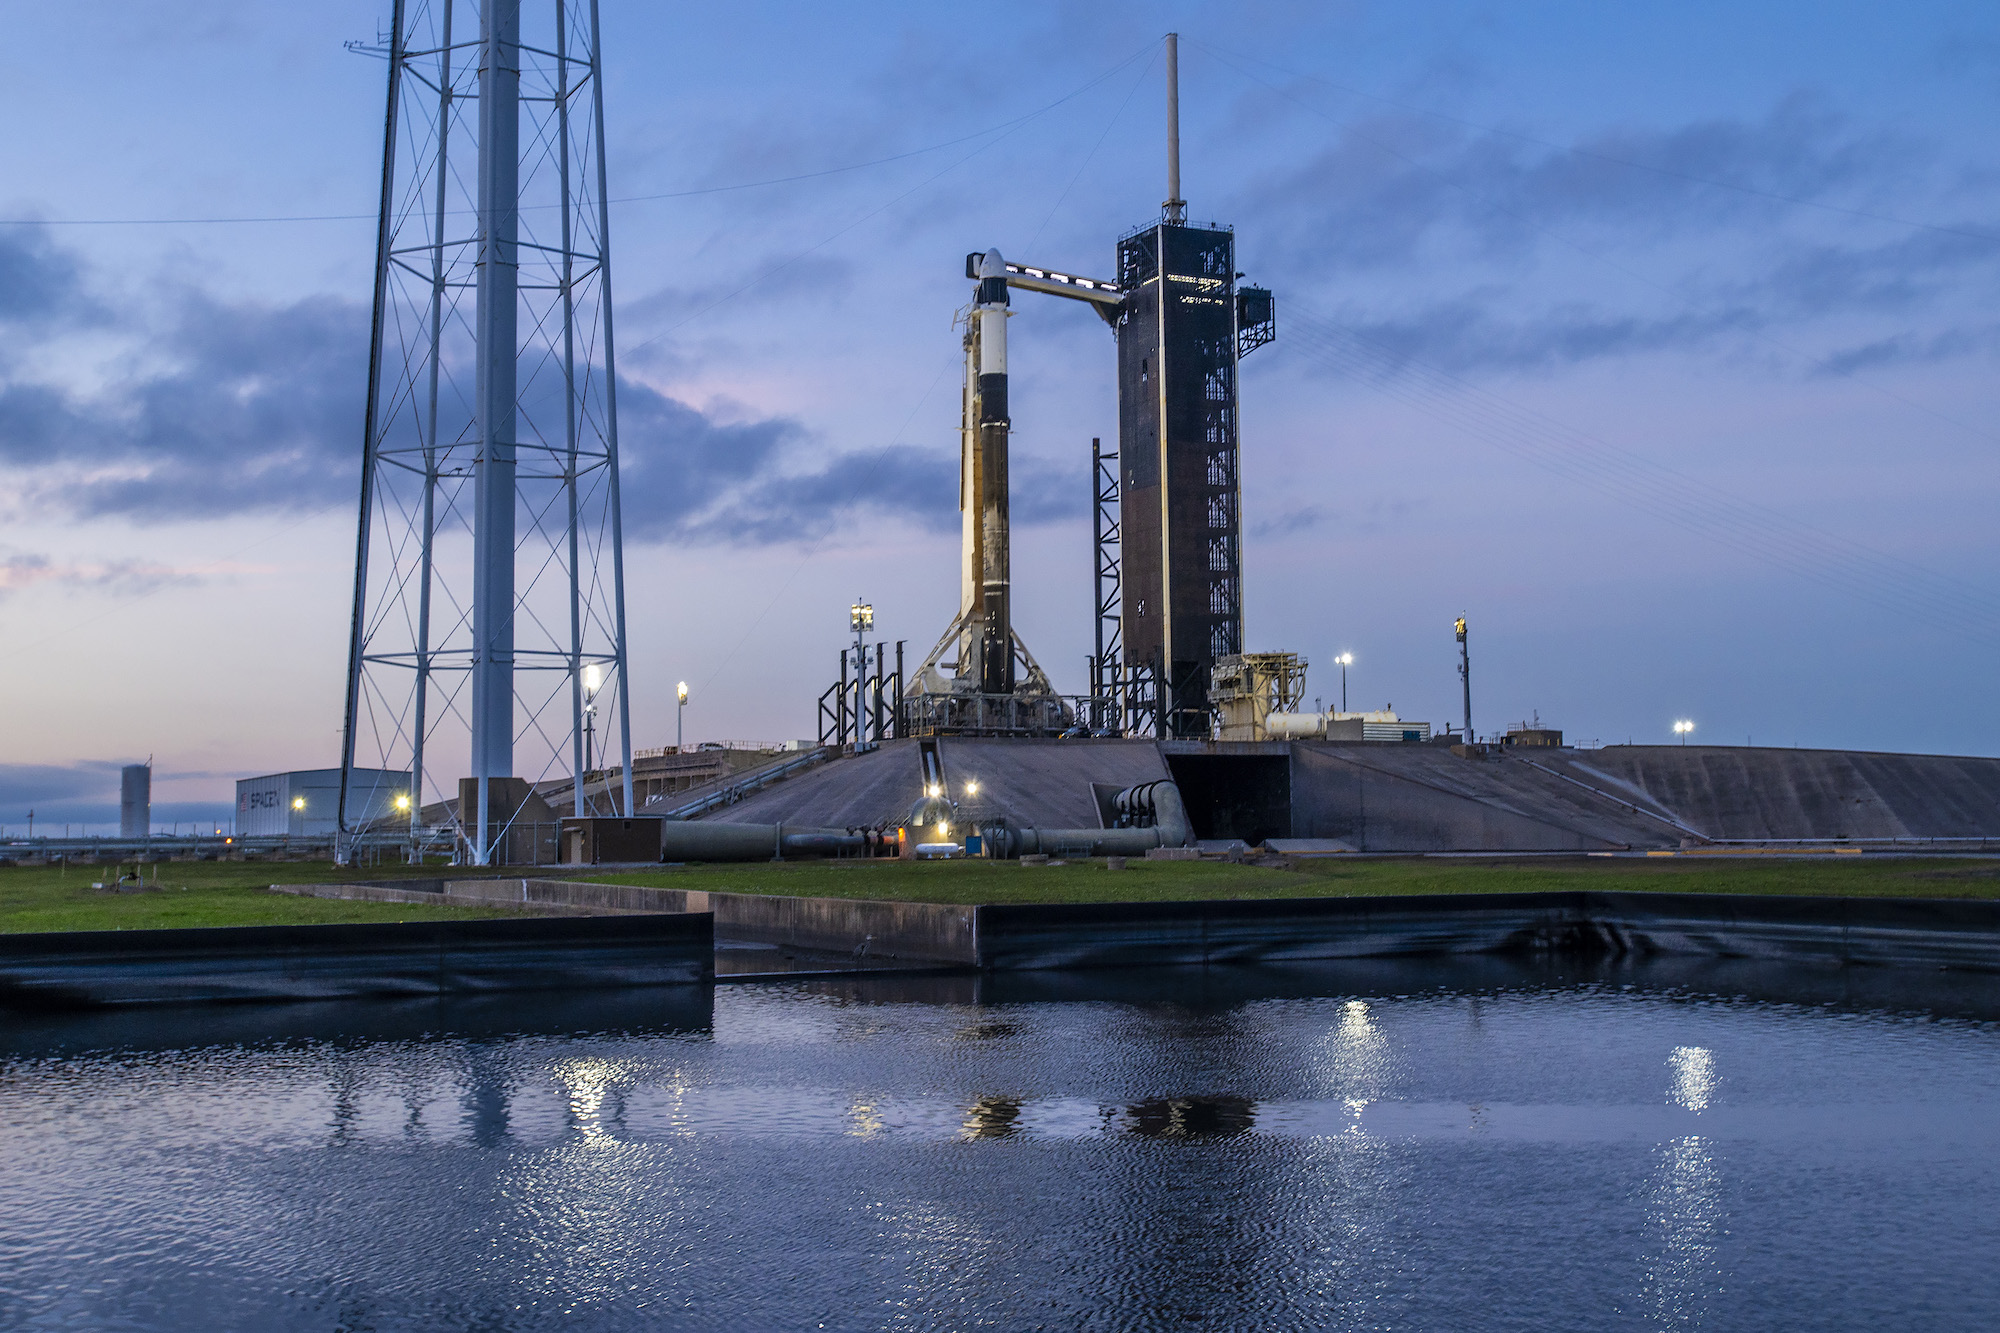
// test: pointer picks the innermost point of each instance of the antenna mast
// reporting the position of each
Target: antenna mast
(1175, 208)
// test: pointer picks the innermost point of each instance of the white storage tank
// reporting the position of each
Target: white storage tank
(135, 800)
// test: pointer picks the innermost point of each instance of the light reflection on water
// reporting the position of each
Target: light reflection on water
(1154, 1153)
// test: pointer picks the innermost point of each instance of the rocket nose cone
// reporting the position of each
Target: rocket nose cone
(991, 265)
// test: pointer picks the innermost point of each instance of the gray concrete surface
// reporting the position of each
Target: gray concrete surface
(1745, 793)
(546, 897)
(1031, 783)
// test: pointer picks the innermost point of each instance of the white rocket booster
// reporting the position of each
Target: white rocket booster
(988, 647)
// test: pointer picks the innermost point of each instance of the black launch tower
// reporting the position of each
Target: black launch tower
(1184, 326)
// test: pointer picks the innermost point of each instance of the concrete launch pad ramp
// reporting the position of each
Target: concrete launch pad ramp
(1031, 783)
(1423, 798)
(1419, 798)
(1750, 794)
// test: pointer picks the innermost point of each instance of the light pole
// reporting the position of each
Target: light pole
(593, 679)
(1465, 675)
(1682, 728)
(1346, 660)
(860, 619)
(680, 712)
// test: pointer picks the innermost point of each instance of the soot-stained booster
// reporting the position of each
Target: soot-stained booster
(983, 477)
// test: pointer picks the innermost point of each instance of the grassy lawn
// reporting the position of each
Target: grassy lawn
(198, 893)
(234, 894)
(1141, 881)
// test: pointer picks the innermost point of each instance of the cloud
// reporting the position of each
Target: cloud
(247, 407)
(1464, 335)
(1394, 188)
(901, 483)
(39, 284)
(19, 570)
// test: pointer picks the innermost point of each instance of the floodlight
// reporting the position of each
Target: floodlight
(971, 789)
(593, 677)
(298, 803)
(402, 801)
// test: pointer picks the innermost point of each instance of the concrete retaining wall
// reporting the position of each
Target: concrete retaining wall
(932, 932)
(1930, 933)
(554, 897)
(238, 963)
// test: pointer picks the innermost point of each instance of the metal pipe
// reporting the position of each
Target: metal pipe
(688, 841)
(357, 630)
(427, 553)
(1161, 801)
(580, 756)
(496, 322)
(611, 407)
(1175, 206)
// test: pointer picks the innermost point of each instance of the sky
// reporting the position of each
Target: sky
(1656, 340)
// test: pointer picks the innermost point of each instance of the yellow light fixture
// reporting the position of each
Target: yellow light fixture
(402, 802)
(944, 829)
(972, 789)
(298, 803)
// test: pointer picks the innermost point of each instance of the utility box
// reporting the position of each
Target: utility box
(595, 839)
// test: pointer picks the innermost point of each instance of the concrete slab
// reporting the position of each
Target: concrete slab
(1031, 783)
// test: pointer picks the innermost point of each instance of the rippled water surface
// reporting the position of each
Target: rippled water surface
(1423, 1147)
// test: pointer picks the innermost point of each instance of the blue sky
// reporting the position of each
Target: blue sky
(1657, 340)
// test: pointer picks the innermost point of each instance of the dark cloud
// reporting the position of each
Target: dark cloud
(1392, 189)
(1466, 335)
(258, 408)
(58, 793)
(1909, 349)
(40, 284)
(915, 486)
(23, 569)
(1891, 276)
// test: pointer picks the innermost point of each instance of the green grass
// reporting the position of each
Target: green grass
(234, 894)
(198, 893)
(1154, 881)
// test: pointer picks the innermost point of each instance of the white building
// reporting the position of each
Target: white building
(306, 803)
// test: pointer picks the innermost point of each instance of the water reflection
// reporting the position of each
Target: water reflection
(1694, 1077)
(1189, 1117)
(992, 1118)
(1685, 1196)
(1142, 1156)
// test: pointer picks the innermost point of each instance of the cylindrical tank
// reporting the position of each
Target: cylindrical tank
(1294, 726)
(682, 840)
(135, 800)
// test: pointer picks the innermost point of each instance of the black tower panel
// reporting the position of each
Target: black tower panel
(1182, 552)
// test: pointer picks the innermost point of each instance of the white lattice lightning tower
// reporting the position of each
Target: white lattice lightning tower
(489, 604)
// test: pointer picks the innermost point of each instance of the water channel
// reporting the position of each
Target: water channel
(1435, 1145)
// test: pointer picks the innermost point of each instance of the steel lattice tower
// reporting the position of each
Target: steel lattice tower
(489, 600)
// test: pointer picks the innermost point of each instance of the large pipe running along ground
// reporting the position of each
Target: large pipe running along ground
(1159, 801)
(686, 841)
